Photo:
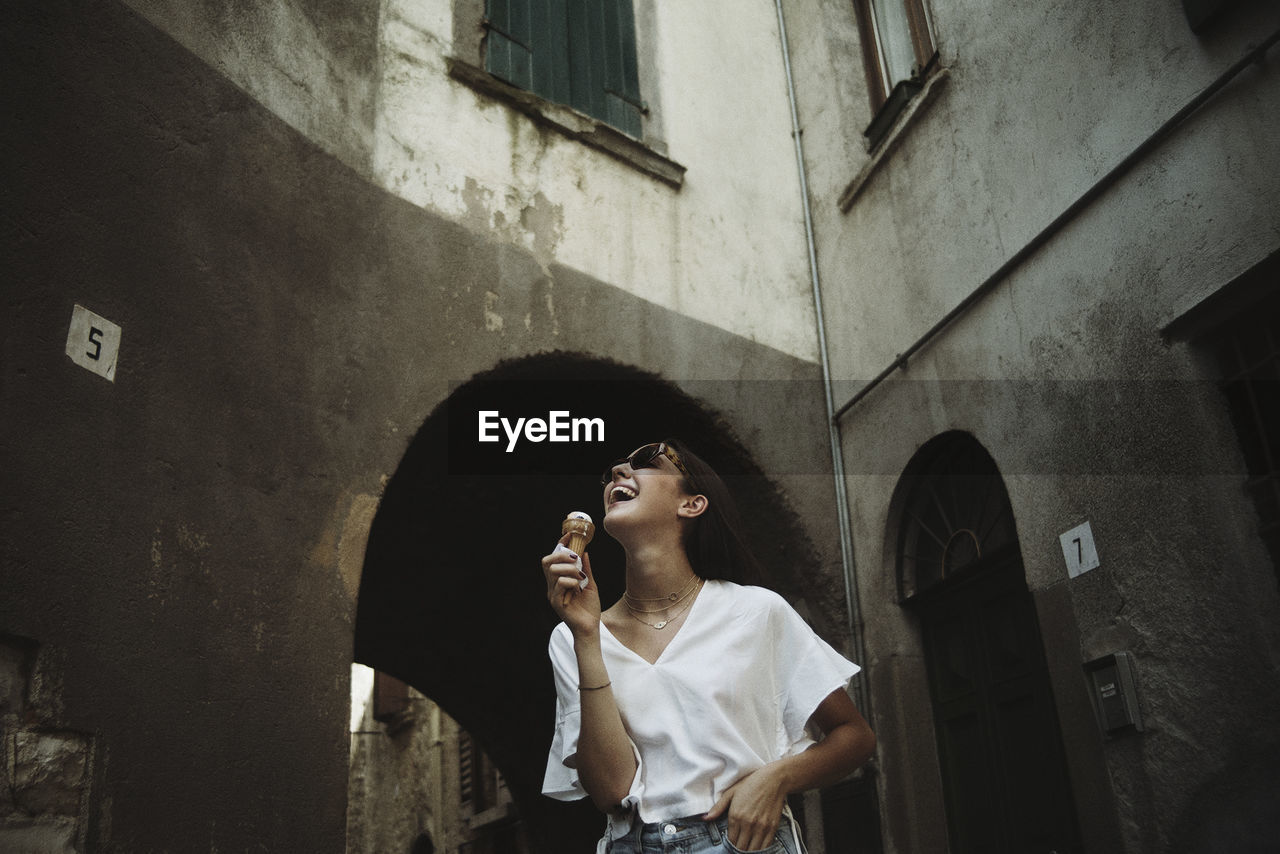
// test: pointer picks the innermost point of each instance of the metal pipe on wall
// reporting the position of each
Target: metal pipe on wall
(853, 611)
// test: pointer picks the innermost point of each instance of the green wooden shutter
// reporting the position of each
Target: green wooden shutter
(622, 80)
(602, 61)
(528, 46)
(576, 52)
(553, 81)
(509, 48)
(585, 59)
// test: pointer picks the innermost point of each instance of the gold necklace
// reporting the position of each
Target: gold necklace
(662, 624)
(670, 599)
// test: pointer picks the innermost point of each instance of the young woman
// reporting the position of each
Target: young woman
(686, 710)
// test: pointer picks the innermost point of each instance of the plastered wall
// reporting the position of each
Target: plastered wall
(1063, 371)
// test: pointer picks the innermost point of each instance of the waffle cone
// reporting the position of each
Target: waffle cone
(580, 533)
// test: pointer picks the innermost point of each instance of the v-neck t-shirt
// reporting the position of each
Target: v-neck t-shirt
(732, 692)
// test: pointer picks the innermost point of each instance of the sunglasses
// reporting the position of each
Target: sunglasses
(644, 457)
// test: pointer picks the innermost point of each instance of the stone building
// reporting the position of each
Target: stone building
(419, 782)
(1066, 341)
(975, 311)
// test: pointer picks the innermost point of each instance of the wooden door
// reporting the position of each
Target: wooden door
(1003, 767)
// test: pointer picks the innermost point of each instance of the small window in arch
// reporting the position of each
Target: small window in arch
(956, 513)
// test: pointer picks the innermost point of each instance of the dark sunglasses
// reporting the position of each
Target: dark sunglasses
(645, 457)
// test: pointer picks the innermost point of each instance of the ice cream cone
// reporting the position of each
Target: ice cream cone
(580, 528)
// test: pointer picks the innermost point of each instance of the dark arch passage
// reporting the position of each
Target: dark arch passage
(452, 598)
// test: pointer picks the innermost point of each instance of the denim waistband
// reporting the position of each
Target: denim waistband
(687, 829)
(679, 830)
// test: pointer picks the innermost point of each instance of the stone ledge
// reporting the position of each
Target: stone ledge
(573, 124)
(905, 119)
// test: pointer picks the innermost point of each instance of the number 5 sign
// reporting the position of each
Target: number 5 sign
(93, 342)
(1079, 550)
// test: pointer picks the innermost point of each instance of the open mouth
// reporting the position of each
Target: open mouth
(621, 493)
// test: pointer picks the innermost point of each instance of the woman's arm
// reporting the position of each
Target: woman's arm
(754, 803)
(605, 761)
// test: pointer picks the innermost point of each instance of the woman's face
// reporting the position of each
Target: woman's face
(650, 494)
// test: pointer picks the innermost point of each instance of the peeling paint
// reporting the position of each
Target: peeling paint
(544, 222)
(191, 541)
(477, 160)
(493, 321)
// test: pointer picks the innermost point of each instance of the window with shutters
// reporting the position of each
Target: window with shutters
(576, 52)
(575, 66)
(897, 53)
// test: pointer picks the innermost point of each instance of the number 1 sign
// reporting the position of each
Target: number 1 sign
(1079, 550)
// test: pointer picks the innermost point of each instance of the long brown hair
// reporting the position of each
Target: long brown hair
(714, 542)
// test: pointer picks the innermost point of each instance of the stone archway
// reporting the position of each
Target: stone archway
(451, 598)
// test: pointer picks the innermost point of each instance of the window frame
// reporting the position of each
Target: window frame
(889, 98)
(1247, 348)
(1217, 326)
(647, 154)
(581, 53)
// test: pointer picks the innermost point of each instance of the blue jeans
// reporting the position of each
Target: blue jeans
(693, 836)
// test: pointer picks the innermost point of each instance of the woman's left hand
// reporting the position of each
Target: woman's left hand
(754, 804)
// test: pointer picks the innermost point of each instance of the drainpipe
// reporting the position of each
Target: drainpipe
(853, 613)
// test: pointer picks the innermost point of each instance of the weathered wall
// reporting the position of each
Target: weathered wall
(1062, 372)
(169, 536)
(183, 543)
(312, 63)
(369, 84)
(48, 770)
(404, 778)
(1007, 143)
(406, 783)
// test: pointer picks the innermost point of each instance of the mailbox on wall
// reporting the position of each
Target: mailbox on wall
(1115, 692)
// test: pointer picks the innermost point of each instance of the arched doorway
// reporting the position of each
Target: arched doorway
(1003, 768)
(451, 598)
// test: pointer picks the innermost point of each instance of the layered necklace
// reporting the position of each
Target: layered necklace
(635, 604)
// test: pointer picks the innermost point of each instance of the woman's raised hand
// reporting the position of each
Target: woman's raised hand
(577, 605)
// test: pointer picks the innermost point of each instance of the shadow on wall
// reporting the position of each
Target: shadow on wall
(452, 598)
(1236, 809)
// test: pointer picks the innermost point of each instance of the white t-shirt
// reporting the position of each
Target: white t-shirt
(732, 692)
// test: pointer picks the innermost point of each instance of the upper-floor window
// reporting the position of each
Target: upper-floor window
(897, 52)
(1248, 349)
(576, 52)
(1239, 324)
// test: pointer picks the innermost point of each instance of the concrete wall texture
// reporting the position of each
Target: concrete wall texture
(313, 230)
(1064, 372)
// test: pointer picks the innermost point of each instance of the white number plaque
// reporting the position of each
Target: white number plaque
(1079, 550)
